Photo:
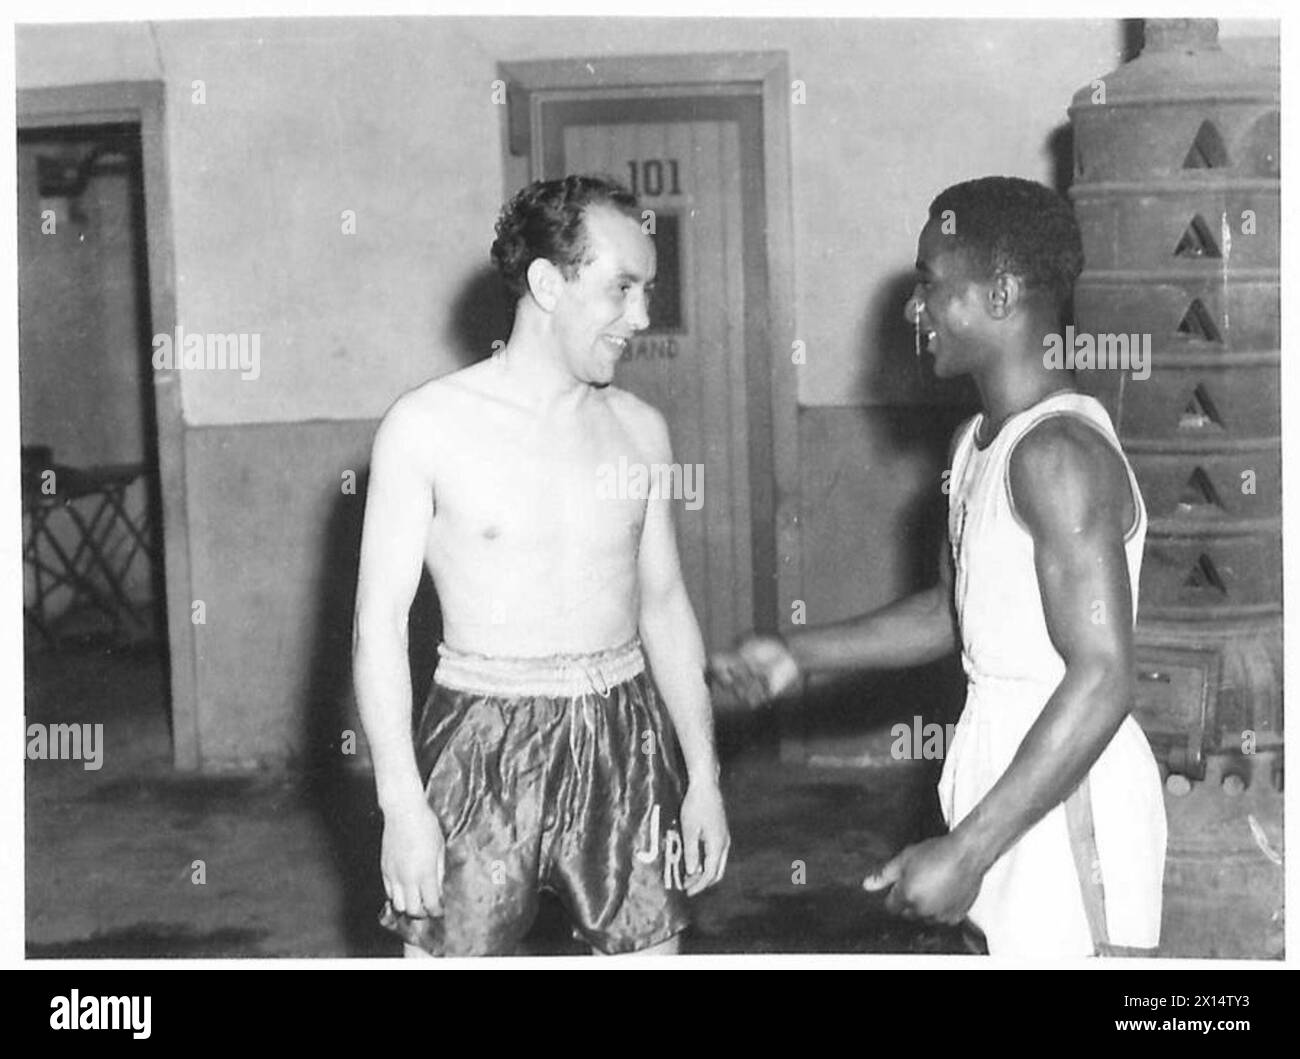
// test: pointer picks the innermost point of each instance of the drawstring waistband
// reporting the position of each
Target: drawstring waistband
(553, 676)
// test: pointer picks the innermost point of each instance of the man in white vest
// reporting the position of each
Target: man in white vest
(1052, 796)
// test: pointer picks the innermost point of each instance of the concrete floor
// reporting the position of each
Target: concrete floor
(291, 861)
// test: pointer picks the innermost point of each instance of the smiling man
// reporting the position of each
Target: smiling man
(545, 757)
(1051, 793)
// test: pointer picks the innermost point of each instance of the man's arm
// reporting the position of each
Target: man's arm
(911, 631)
(399, 508)
(1072, 493)
(672, 640)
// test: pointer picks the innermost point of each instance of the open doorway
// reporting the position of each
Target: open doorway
(105, 547)
(89, 433)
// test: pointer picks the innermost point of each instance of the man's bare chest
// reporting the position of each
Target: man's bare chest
(537, 490)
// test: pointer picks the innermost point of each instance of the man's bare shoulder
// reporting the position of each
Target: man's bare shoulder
(416, 424)
(1064, 470)
(431, 405)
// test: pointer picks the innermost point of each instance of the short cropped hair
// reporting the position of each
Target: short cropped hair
(545, 220)
(1005, 224)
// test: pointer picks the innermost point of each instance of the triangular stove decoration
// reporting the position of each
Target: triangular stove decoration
(1207, 150)
(1197, 241)
(1199, 493)
(1200, 412)
(1198, 323)
(1204, 575)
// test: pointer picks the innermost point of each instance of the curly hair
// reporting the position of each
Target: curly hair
(1005, 224)
(545, 220)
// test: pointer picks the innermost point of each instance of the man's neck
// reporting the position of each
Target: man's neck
(1015, 381)
(534, 371)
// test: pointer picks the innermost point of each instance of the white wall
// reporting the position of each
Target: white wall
(394, 119)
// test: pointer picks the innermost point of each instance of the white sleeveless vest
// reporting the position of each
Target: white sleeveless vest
(1088, 876)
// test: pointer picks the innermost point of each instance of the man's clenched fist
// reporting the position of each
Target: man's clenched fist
(758, 670)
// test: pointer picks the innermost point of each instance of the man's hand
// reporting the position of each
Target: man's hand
(704, 822)
(411, 860)
(936, 879)
(760, 669)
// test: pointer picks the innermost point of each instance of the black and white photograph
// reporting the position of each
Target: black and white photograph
(721, 486)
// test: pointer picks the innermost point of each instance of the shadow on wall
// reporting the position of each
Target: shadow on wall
(481, 315)
(1133, 37)
(1060, 149)
(344, 796)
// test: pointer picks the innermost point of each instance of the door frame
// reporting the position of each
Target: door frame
(142, 103)
(766, 76)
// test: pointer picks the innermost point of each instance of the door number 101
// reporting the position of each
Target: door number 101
(647, 177)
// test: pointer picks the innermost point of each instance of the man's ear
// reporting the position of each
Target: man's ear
(1005, 295)
(545, 283)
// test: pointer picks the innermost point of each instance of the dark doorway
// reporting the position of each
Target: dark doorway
(93, 576)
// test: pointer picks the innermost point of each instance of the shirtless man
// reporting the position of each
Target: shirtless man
(1050, 789)
(543, 757)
